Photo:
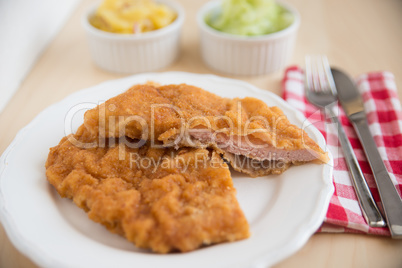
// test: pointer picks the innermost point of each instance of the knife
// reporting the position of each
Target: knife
(352, 104)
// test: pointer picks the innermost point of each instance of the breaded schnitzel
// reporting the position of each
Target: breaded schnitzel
(159, 199)
(254, 138)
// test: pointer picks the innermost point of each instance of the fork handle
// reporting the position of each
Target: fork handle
(391, 202)
(367, 204)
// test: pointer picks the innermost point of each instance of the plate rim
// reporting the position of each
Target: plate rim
(296, 243)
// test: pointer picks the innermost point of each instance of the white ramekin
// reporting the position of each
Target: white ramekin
(244, 55)
(144, 52)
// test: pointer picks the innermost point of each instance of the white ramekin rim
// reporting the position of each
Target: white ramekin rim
(240, 38)
(176, 24)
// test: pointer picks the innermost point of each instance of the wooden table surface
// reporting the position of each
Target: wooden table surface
(360, 36)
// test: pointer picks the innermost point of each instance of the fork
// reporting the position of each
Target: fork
(321, 92)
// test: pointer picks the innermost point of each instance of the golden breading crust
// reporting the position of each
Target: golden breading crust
(255, 168)
(163, 113)
(159, 199)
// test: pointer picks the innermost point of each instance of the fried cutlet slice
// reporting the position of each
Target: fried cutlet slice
(160, 199)
(184, 115)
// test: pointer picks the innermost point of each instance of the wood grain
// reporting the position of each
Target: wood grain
(359, 36)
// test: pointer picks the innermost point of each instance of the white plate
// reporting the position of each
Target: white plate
(283, 211)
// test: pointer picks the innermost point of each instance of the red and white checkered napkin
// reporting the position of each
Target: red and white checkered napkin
(384, 115)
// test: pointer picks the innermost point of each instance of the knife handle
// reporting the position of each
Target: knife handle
(390, 199)
(367, 204)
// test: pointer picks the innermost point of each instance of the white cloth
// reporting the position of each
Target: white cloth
(26, 28)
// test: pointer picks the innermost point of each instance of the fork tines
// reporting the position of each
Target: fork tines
(318, 74)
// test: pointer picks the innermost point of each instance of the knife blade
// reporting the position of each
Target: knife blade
(352, 104)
